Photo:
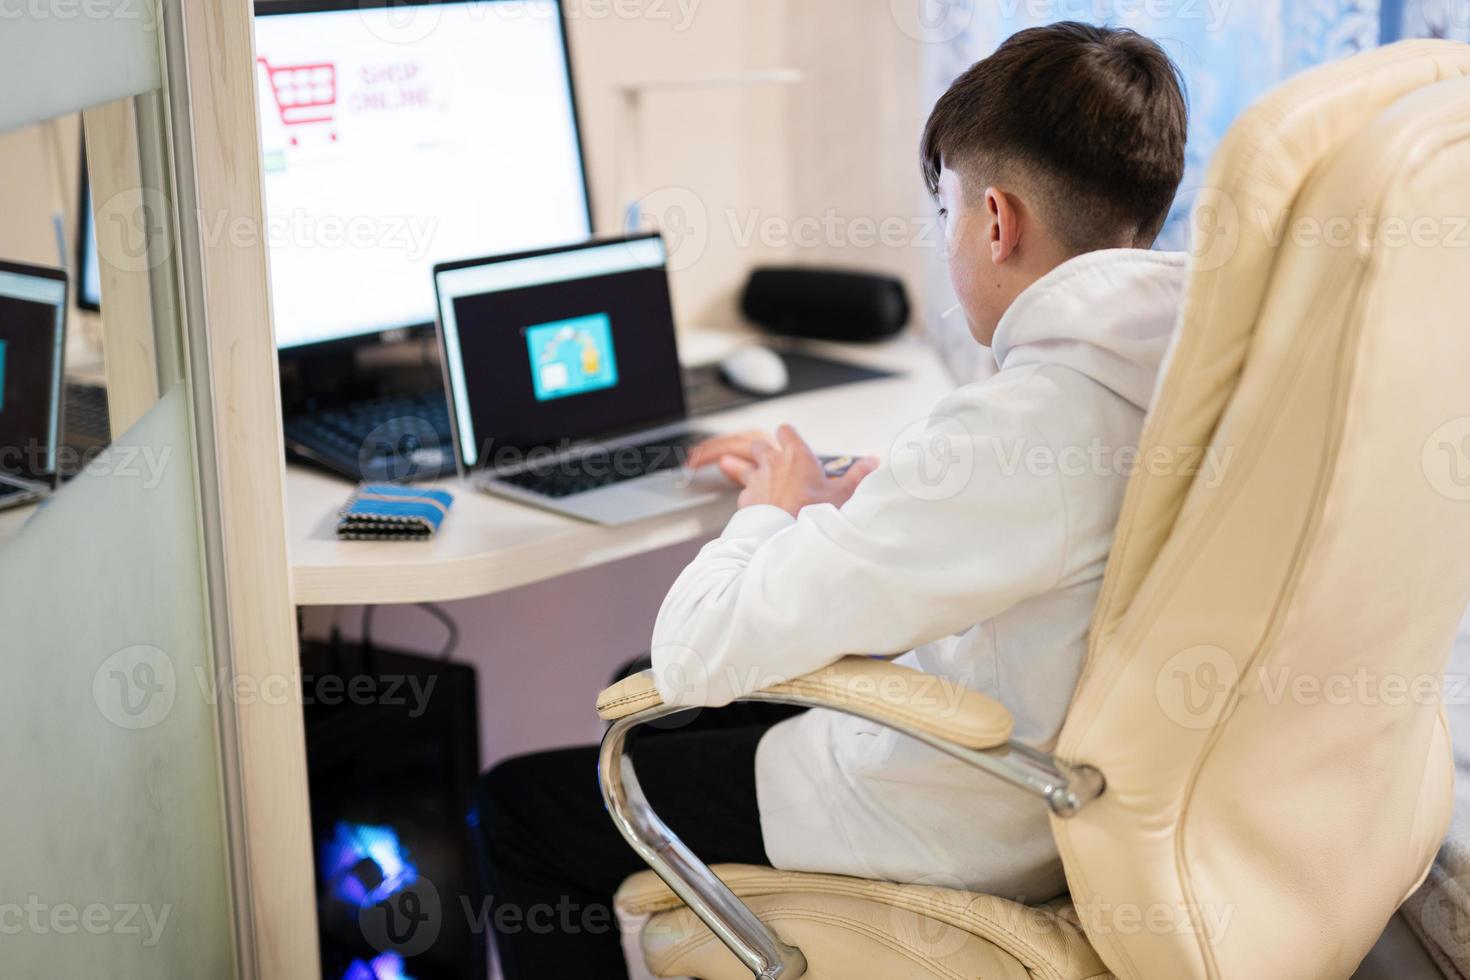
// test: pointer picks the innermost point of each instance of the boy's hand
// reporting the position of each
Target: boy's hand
(789, 475)
(734, 453)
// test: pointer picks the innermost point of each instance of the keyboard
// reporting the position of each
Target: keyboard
(605, 467)
(87, 422)
(385, 439)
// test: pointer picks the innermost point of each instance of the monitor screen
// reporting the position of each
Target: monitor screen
(396, 136)
(89, 276)
(32, 349)
(552, 348)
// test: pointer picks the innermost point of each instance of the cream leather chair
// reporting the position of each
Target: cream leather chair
(1254, 775)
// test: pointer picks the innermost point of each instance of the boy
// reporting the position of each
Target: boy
(979, 547)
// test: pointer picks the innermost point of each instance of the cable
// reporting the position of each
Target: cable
(367, 626)
(453, 640)
(450, 644)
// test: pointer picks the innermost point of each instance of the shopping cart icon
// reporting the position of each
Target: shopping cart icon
(305, 94)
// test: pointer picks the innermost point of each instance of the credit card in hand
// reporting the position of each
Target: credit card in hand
(835, 466)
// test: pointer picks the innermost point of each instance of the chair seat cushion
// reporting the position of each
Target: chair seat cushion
(852, 927)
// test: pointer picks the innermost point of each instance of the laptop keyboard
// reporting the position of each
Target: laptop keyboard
(10, 490)
(604, 467)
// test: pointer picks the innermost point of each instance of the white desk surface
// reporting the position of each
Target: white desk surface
(487, 545)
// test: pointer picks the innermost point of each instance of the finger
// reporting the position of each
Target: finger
(738, 470)
(735, 444)
(761, 452)
(857, 473)
(788, 439)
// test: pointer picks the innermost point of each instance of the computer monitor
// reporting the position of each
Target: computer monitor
(32, 351)
(396, 136)
(88, 274)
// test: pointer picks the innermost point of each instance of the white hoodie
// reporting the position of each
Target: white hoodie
(979, 547)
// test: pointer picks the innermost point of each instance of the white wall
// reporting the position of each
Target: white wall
(824, 171)
(36, 163)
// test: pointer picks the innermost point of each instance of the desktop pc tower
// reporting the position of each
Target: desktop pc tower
(392, 748)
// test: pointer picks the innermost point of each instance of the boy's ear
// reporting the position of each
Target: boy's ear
(1005, 224)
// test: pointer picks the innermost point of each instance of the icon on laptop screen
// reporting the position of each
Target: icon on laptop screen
(572, 357)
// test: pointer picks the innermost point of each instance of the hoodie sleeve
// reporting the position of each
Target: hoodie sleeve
(958, 526)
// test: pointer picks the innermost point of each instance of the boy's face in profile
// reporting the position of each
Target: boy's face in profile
(972, 264)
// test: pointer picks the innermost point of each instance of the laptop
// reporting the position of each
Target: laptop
(32, 351)
(564, 384)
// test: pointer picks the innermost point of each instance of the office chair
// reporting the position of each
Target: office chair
(1216, 816)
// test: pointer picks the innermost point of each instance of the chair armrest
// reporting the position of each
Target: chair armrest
(955, 720)
(900, 697)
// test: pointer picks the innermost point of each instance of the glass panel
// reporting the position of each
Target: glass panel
(57, 56)
(111, 835)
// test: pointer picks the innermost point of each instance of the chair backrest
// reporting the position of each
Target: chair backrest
(1293, 555)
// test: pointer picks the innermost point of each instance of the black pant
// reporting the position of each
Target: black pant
(555, 859)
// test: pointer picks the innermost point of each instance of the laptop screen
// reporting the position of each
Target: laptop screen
(32, 339)
(548, 349)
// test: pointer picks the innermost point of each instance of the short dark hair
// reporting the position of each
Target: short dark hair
(1093, 118)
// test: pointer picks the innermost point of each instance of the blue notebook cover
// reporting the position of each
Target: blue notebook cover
(389, 512)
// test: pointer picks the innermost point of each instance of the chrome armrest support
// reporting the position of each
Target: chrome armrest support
(1065, 789)
(732, 922)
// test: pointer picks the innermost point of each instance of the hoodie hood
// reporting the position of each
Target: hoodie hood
(1108, 314)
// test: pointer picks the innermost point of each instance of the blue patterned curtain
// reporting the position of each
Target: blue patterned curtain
(1230, 52)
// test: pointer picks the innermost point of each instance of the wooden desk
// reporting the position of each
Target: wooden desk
(487, 545)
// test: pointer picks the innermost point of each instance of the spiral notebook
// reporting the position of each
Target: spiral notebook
(389, 512)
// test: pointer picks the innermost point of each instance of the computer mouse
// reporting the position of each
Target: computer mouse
(756, 370)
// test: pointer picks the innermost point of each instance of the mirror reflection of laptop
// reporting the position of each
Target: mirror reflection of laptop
(32, 350)
(564, 383)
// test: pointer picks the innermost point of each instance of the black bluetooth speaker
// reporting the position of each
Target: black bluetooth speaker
(825, 304)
